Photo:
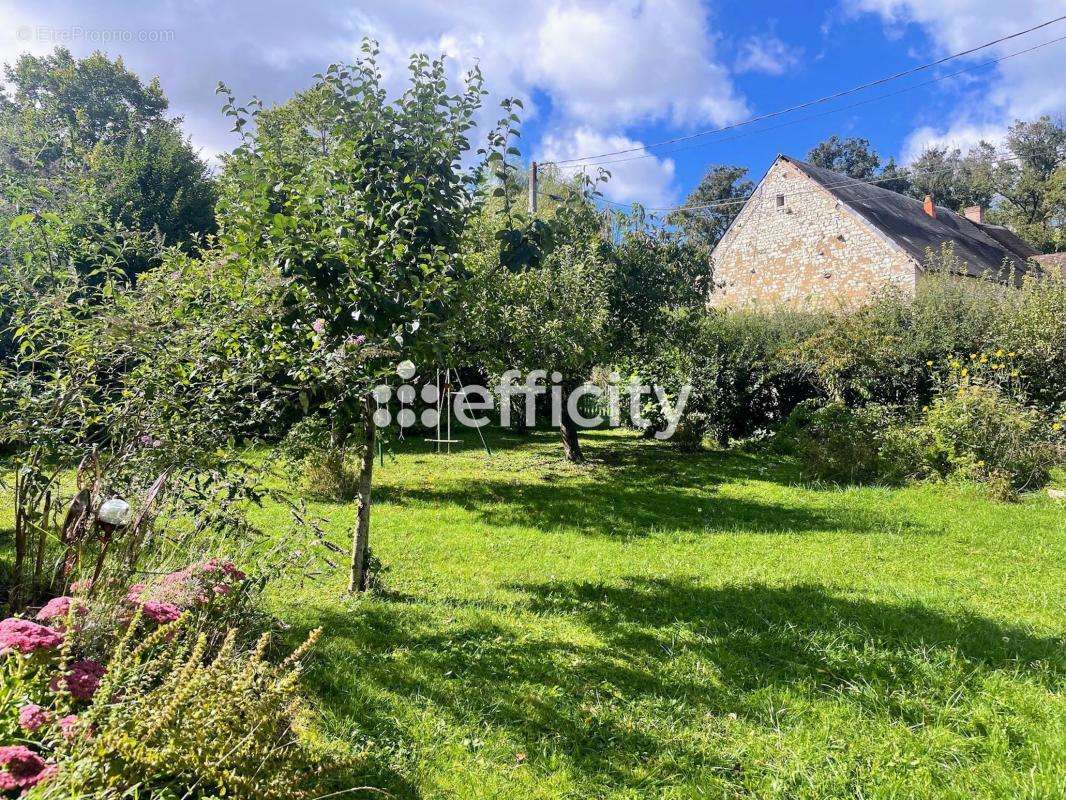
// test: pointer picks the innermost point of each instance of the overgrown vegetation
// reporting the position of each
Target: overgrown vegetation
(150, 358)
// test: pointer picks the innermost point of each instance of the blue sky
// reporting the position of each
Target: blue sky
(600, 75)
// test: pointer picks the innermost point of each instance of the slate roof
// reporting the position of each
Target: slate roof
(1052, 262)
(982, 249)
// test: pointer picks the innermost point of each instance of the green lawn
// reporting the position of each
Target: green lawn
(661, 625)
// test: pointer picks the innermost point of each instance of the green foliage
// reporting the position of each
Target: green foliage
(837, 443)
(173, 720)
(895, 349)
(325, 469)
(654, 275)
(970, 431)
(852, 157)
(952, 179)
(721, 192)
(88, 141)
(358, 203)
(976, 431)
(742, 382)
(142, 386)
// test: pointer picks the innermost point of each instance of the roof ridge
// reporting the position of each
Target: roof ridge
(903, 219)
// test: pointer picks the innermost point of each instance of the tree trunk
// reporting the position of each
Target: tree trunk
(358, 580)
(571, 444)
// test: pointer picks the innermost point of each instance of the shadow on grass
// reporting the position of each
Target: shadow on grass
(616, 508)
(665, 655)
(632, 489)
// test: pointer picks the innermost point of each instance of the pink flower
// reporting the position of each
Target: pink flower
(26, 636)
(31, 717)
(21, 768)
(84, 678)
(68, 726)
(58, 608)
(160, 612)
(319, 326)
(81, 586)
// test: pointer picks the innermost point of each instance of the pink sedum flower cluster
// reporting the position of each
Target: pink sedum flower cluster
(82, 680)
(57, 610)
(32, 717)
(26, 636)
(21, 768)
(195, 585)
(68, 726)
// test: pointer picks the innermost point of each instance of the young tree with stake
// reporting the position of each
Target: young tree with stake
(361, 203)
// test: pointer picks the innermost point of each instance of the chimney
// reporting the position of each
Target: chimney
(930, 209)
(974, 214)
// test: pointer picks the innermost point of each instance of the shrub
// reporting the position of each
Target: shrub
(690, 432)
(976, 431)
(171, 720)
(324, 468)
(159, 689)
(897, 349)
(970, 431)
(741, 382)
(838, 443)
(329, 475)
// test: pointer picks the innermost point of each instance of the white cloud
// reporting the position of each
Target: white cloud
(1023, 88)
(625, 61)
(961, 136)
(766, 54)
(646, 180)
(602, 65)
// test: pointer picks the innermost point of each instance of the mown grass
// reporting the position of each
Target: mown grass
(666, 625)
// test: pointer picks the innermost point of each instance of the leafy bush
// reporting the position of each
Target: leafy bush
(741, 381)
(158, 689)
(898, 349)
(838, 443)
(883, 351)
(970, 431)
(170, 719)
(324, 467)
(976, 431)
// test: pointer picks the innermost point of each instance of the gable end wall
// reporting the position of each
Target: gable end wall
(813, 252)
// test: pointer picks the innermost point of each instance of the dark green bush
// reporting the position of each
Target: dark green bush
(976, 431)
(838, 443)
(970, 431)
(741, 383)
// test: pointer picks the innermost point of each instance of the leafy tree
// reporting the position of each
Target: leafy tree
(360, 203)
(953, 180)
(143, 386)
(77, 133)
(852, 157)
(551, 315)
(655, 273)
(894, 178)
(1031, 189)
(538, 300)
(720, 192)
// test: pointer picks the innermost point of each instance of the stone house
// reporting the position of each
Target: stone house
(812, 237)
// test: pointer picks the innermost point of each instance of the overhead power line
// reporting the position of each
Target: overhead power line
(816, 101)
(809, 117)
(840, 185)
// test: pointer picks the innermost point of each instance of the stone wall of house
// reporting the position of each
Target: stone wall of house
(807, 250)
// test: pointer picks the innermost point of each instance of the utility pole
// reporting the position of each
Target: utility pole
(532, 188)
